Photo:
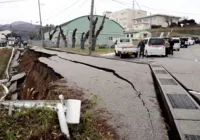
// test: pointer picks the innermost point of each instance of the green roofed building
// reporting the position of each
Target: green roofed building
(111, 30)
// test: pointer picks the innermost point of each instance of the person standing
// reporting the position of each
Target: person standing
(171, 48)
(167, 45)
(142, 47)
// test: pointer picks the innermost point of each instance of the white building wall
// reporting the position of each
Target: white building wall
(144, 23)
(124, 17)
(3, 33)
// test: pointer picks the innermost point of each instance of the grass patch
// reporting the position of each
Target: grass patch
(42, 123)
(78, 50)
(174, 34)
(5, 56)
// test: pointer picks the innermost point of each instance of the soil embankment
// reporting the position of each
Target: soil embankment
(42, 83)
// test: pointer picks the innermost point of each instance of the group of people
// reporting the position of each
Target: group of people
(169, 47)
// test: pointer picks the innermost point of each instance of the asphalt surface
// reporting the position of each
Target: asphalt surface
(184, 65)
(126, 91)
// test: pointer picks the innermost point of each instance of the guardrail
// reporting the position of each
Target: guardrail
(68, 111)
(9, 62)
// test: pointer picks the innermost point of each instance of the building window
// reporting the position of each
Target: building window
(153, 18)
(131, 35)
(110, 38)
(145, 19)
(127, 35)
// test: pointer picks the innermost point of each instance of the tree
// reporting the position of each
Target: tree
(58, 41)
(84, 39)
(82, 36)
(192, 22)
(95, 35)
(63, 36)
(169, 21)
(173, 24)
(52, 34)
(74, 38)
(187, 22)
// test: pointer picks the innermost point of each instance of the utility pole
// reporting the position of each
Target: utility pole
(42, 34)
(150, 21)
(91, 26)
(133, 5)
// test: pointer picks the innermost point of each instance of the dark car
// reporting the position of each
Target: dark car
(196, 39)
(184, 42)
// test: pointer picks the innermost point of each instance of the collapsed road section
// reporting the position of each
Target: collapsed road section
(125, 90)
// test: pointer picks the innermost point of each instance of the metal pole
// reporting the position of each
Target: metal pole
(133, 5)
(91, 26)
(42, 35)
(150, 21)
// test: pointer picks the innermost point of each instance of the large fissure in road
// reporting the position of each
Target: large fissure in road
(138, 93)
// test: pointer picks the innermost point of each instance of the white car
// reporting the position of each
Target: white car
(191, 41)
(177, 44)
(154, 46)
(124, 46)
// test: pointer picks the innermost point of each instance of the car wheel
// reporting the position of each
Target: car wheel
(121, 55)
(136, 55)
(178, 49)
(116, 54)
(146, 54)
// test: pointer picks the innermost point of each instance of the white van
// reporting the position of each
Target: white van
(177, 44)
(125, 46)
(154, 46)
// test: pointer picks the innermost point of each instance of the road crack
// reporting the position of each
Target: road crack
(138, 93)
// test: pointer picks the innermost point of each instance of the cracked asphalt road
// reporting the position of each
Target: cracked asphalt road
(126, 90)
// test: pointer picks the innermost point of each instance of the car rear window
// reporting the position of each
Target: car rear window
(185, 39)
(125, 40)
(156, 41)
(176, 40)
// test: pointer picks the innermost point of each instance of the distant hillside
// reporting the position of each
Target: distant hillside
(191, 31)
(21, 28)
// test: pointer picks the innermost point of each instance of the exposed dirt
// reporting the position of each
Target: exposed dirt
(4, 58)
(42, 83)
(38, 79)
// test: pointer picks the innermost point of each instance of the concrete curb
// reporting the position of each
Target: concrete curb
(183, 112)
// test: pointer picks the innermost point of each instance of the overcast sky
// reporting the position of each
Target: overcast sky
(60, 11)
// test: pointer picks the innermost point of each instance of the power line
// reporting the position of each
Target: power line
(137, 4)
(155, 9)
(83, 3)
(11, 1)
(170, 11)
(62, 10)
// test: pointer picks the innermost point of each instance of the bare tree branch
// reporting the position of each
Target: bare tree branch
(101, 27)
(52, 34)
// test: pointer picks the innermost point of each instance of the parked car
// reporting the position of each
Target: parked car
(177, 44)
(191, 41)
(125, 47)
(184, 42)
(196, 40)
(155, 46)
